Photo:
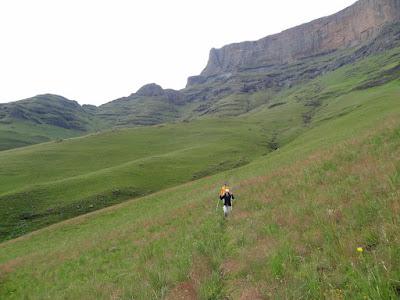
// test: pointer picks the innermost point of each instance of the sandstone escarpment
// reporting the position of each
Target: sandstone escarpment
(347, 28)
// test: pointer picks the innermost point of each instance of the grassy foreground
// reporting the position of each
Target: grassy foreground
(300, 214)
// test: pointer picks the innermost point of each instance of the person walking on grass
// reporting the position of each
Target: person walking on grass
(227, 197)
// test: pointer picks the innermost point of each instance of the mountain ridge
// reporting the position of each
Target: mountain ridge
(346, 28)
(238, 78)
(374, 14)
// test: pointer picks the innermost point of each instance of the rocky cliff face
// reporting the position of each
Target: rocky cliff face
(347, 28)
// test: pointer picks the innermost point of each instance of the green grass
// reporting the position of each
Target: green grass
(49, 182)
(300, 214)
(46, 183)
(20, 134)
(139, 110)
(301, 211)
(42, 118)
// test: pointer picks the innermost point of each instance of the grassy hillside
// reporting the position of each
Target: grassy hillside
(46, 183)
(51, 117)
(21, 134)
(150, 105)
(301, 212)
(42, 118)
(49, 182)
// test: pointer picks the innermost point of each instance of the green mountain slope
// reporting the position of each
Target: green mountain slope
(42, 118)
(314, 166)
(300, 215)
(50, 117)
(46, 183)
(49, 182)
(148, 106)
(309, 142)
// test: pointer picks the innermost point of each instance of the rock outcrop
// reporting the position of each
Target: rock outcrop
(347, 28)
(154, 90)
(150, 90)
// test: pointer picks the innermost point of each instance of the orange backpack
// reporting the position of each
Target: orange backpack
(223, 189)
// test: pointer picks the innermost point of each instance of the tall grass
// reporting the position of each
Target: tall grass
(294, 232)
(300, 214)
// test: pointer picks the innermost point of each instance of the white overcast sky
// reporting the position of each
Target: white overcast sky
(94, 51)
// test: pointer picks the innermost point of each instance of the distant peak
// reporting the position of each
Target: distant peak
(151, 89)
(51, 96)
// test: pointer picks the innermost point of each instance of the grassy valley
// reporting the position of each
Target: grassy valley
(300, 215)
(46, 183)
(49, 182)
(120, 201)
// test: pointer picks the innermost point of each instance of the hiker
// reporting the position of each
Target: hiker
(227, 197)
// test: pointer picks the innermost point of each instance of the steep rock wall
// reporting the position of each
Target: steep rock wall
(347, 28)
